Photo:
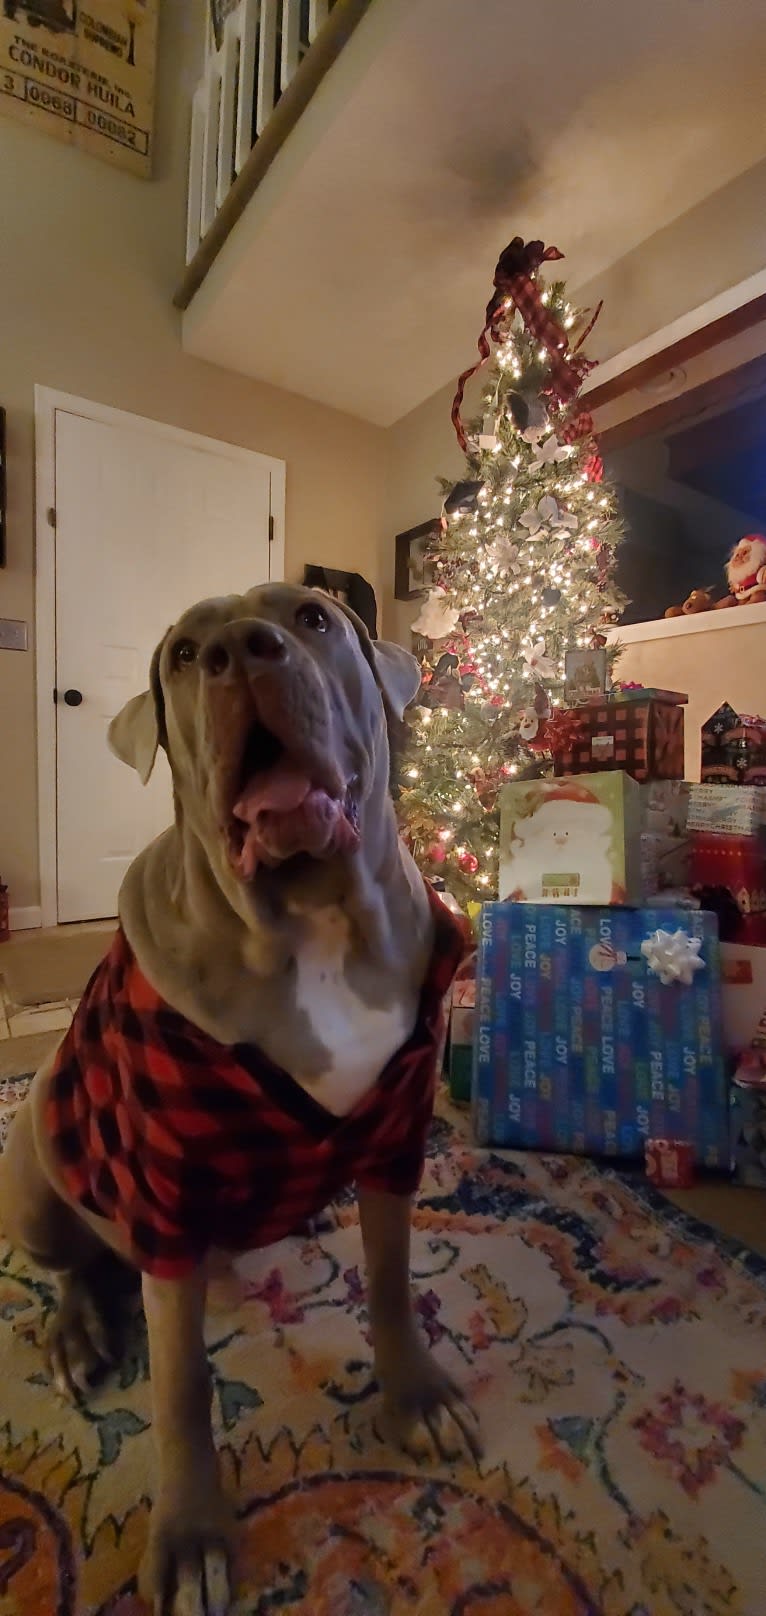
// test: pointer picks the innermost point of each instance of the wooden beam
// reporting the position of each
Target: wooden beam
(720, 393)
(697, 342)
(341, 24)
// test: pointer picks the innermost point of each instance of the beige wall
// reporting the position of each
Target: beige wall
(715, 658)
(89, 258)
(422, 447)
(705, 251)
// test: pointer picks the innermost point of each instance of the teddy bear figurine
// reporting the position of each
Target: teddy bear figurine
(700, 600)
(746, 572)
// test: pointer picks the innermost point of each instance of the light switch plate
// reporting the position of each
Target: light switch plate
(13, 635)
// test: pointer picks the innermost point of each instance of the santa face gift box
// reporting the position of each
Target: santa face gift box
(599, 1029)
(571, 841)
(643, 737)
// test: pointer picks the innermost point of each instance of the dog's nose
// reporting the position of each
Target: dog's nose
(246, 644)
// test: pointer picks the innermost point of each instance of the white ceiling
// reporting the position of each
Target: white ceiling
(359, 272)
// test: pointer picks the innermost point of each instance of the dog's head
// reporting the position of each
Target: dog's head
(273, 708)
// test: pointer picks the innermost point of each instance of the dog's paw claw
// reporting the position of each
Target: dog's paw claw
(77, 1349)
(429, 1418)
(185, 1571)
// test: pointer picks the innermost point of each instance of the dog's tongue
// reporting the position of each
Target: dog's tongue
(278, 790)
(286, 814)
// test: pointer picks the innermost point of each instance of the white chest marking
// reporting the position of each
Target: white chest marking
(359, 1038)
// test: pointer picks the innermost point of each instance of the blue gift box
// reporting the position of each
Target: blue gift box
(579, 1046)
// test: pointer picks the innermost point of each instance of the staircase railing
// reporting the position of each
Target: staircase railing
(259, 49)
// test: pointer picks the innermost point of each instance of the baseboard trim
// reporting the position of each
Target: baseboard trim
(26, 919)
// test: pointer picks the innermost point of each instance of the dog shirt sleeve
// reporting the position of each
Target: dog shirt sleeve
(112, 1158)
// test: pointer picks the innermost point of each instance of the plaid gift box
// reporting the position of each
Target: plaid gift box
(645, 738)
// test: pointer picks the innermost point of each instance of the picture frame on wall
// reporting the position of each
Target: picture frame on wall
(413, 573)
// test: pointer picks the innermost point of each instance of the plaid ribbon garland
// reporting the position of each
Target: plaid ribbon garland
(515, 284)
(581, 426)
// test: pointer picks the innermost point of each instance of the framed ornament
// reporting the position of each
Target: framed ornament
(584, 675)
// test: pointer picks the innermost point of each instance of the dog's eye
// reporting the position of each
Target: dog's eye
(184, 653)
(313, 616)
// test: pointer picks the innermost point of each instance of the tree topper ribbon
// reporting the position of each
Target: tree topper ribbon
(514, 283)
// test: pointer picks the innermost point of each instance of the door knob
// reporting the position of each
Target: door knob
(73, 698)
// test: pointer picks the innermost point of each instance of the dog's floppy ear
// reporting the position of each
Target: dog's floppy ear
(397, 673)
(139, 729)
(396, 670)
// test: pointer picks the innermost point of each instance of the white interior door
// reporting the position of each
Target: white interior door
(147, 523)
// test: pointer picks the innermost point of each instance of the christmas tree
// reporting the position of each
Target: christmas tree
(524, 572)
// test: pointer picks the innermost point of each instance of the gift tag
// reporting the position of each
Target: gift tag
(602, 748)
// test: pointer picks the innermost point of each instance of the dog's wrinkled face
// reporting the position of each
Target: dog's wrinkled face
(272, 707)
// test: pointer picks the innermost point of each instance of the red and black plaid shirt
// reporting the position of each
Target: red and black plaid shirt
(186, 1143)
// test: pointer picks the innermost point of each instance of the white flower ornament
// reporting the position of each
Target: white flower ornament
(542, 666)
(503, 553)
(436, 620)
(546, 518)
(548, 454)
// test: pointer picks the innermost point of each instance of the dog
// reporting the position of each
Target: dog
(262, 1032)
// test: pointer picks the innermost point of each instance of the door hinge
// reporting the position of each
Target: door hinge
(271, 529)
(55, 694)
(51, 516)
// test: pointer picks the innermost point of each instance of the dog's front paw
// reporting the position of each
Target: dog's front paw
(186, 1570)
(77, 1346)
(426, 1412)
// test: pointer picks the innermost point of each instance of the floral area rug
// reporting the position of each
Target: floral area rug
(614, 1350)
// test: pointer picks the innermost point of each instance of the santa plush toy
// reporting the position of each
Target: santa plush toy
(746, 572)
(569, 832)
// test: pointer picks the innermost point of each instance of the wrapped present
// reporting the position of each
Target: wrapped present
(570, 841)
(664, 839)
(631, 692)
(645, 738)
(460, 1038)
(669, 1163)
(736, 864)
(460, 1061)
(597, 1029)
(727, 810)
(743, 978)
(733, 748)
(665, 808)
(748, 1129)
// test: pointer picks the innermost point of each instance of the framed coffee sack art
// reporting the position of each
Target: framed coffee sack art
(414, 573)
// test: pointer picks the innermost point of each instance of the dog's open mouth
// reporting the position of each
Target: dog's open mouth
(282, 808)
